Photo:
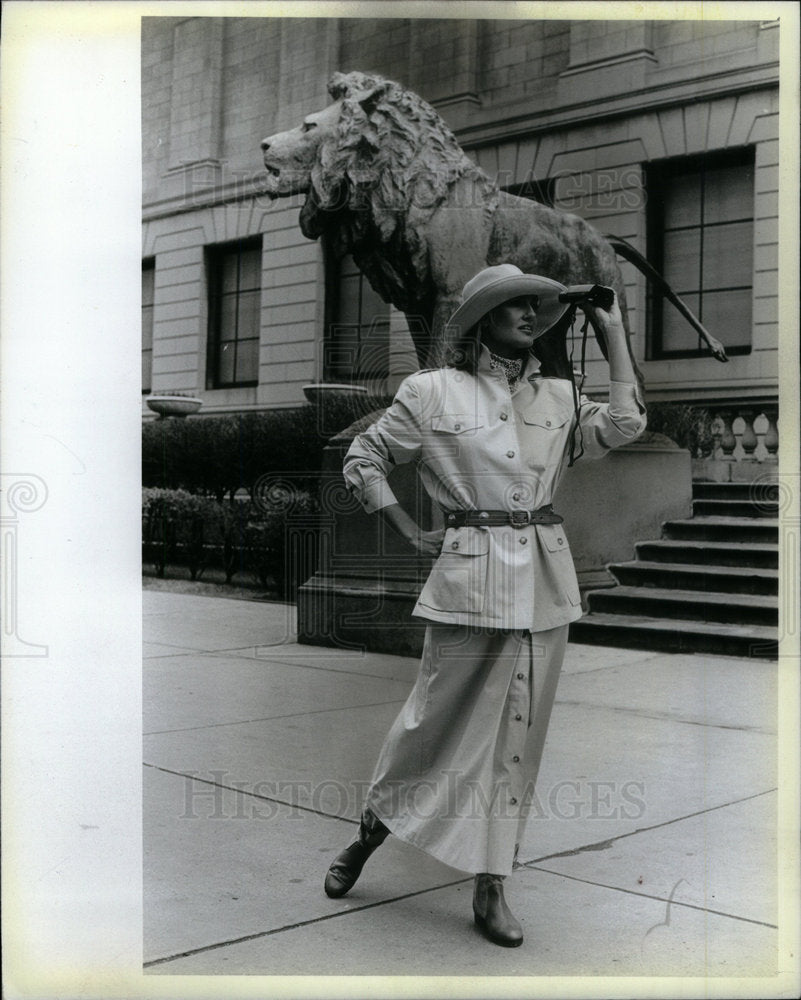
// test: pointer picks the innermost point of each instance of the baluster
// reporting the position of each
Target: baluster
(728, 442)
(717, 433)
(749, 438)
(771, 440)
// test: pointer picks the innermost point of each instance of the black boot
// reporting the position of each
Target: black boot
(492, 915)
(347, 866)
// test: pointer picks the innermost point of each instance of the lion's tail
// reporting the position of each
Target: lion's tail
(633, 256)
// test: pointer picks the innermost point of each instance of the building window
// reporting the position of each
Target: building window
(701, 239)
(234, 283)
(356, 347)
(148, 287)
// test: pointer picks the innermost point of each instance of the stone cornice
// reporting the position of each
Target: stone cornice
(652, 98)
(506, 125)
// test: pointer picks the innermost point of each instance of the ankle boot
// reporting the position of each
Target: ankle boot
(492, 915)
(347, 866)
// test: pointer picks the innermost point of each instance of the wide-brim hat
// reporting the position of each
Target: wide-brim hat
(495, 285)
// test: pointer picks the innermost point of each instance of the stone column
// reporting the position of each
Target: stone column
(196, 97)
(606, 57)
(444, 61)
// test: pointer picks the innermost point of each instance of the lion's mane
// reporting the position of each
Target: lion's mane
(391, 164)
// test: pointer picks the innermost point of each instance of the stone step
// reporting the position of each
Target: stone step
(693, 605)
(675, 635)
(714, 553)
(681, 576)
(724, 529)
(735, 508)
(758, 491)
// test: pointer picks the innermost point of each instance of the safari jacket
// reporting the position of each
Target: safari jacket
(479, 446)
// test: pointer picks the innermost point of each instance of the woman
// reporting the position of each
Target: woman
(491, 437)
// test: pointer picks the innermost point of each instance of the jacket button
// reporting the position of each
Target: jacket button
(510, 454)
(516, 759)
(547, 423)
(560, 541)
(515, 496)
(523, 540)
(518, 717)
(520, 677)
(454, 545)
(513, 802)
(457, 427)
(504, 416)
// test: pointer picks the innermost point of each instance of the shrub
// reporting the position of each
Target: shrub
(689, 426)
(275, 538)
(181, 525)
(281, 541)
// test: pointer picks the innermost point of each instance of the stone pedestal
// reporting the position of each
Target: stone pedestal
(362, 595)
(368, 579)
(623, 498)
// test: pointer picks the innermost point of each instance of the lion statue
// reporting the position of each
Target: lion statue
(386, 181)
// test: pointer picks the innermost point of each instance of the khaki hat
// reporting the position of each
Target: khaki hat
(495, 285)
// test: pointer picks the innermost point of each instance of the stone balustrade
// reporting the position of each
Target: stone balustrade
(745, 442)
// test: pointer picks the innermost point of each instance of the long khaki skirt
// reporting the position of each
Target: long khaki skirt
(456, 773)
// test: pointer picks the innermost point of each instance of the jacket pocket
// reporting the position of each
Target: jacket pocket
(555, 541)
(456, 423)
(458, 579)
(554, 538)
(549, 418)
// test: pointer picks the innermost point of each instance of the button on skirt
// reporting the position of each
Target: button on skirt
(456, 773)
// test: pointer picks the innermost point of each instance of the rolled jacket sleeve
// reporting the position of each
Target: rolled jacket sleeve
(395, 438)
(609, 425)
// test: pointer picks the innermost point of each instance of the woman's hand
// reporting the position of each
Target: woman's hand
(429, 543)
(608, 325)
(606, 321)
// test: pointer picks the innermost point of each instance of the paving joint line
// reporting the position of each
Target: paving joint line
(602, 844)
(301, 923)
(269, 718)
(311, 666)
(648, 895)
(253, 795)
(184, 650)
(665, 717)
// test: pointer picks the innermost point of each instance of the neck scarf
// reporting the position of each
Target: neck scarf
(511, 367)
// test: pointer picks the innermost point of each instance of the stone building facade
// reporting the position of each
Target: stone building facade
(664, 133)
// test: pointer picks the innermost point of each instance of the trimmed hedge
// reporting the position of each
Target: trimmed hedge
(219, 455)
(275, 540)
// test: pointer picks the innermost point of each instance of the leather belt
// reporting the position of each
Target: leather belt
(494, 518)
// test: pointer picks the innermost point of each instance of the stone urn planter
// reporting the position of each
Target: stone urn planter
(173, 404)
(319, 392)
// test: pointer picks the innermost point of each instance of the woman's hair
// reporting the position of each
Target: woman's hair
(464, 354)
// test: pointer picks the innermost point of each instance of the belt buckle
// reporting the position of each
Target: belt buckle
(520, 518)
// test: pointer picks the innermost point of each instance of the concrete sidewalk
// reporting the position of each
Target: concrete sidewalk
(652, 851)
